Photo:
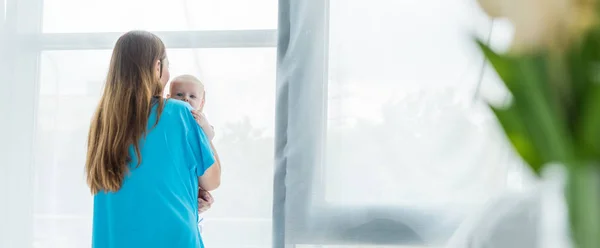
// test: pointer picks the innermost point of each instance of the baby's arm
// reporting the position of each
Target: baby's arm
(208, 129)
(205, 200)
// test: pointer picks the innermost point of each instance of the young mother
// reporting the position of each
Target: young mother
(146, 156)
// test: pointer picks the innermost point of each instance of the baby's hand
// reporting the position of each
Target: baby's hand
(208, 129)
(205, 200)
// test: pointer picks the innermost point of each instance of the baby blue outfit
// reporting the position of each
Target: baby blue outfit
(157, 206)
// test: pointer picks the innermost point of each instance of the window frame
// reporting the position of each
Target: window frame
(172, 39)
(22, 17)
(22, 27)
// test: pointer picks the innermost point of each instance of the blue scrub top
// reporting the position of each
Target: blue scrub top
(157, 205)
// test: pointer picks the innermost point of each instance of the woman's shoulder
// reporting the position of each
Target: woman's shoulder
(176, 112)
(173, 106)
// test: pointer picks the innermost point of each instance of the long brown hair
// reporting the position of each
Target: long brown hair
(121, 117)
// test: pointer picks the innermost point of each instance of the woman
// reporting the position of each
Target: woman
(146, 156)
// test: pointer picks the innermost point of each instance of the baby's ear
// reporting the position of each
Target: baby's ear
(168, 95)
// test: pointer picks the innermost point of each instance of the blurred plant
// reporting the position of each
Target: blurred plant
(553, 74)
(543, 24)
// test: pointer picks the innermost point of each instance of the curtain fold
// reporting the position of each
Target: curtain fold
(301, 102)
(281, 120)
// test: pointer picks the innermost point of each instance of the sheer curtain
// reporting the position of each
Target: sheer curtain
(384, 137)
(373, 110)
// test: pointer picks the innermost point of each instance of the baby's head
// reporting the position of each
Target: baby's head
(189, 89)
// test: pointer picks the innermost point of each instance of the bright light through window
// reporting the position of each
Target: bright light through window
(90, 16)
(404, 128)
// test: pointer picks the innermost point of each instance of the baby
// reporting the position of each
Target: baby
(189, 89)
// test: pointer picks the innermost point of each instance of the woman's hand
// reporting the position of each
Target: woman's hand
(205, 200)
(208, 129)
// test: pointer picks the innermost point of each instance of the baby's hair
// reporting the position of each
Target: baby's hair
(188, 78)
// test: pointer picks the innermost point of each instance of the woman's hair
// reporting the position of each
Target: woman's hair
(121, 117)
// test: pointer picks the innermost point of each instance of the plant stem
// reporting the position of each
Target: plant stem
(583, 194)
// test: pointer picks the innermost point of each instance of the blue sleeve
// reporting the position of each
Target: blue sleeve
(200, 155)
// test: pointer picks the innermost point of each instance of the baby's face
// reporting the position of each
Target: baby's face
(189, 92)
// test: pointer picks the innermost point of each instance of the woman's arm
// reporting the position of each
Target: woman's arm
(211, 179)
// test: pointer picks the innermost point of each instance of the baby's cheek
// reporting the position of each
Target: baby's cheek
(195, 104)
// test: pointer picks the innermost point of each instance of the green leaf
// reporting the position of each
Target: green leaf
(504, 65)
(585, 68)
(577, 61)
(558, 87)
(580, 60)
(532, 98)
(545, 130)
(519, 137)
(589, 123)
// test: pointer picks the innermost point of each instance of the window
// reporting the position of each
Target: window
(384, 99)
(62, 50)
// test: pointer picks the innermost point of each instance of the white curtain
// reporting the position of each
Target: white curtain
(376, 121)
(384, 136)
